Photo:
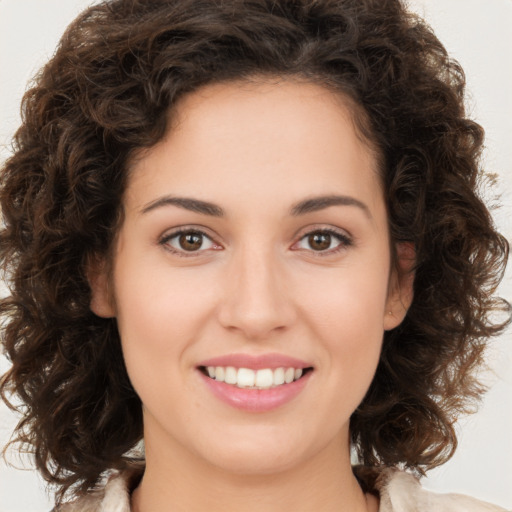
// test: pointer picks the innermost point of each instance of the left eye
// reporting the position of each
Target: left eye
(189, 241)
(322, 241)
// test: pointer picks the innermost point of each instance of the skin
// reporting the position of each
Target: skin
(256, 285)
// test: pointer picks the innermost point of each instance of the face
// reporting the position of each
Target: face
(254, 250)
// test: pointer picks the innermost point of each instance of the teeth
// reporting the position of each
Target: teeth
(246, 378)
(256, 379)
(278, 376)
(230, 375)
(264, 378)
(219, 373)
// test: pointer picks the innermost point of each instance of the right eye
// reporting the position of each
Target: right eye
(188, 241)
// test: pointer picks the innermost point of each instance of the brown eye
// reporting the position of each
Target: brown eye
(319, 241)
(190, 241)
(324, 241)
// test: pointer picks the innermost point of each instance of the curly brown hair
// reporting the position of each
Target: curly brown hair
(107, 92)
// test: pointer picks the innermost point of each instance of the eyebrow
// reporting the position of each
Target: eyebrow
(315, 204)
(310, 205)
(187, 203)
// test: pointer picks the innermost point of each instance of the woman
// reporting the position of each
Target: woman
(248, 233)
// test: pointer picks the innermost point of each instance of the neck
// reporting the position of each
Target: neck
(180, 481)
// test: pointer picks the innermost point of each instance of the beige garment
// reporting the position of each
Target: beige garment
(398, 492)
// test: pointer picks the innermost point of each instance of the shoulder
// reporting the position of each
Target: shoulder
(402, 492)
(398, 492)
(114, 496)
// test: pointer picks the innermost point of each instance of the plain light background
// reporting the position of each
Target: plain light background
(476, 32)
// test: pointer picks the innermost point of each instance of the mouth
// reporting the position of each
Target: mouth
(247, 378)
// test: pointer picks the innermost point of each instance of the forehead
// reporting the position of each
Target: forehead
(265, 98)
(262, 138)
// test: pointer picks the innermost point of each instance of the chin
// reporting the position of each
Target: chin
(254, 455)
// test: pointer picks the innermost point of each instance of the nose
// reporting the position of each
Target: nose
(256, 300)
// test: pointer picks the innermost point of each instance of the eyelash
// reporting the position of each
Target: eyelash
(344, 241)
(164, 241)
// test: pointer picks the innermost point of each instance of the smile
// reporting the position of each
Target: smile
(247, 378)
(255, 383)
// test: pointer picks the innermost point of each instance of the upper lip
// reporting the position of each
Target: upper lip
(256, 362)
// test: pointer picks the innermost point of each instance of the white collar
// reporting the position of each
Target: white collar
(398, 491)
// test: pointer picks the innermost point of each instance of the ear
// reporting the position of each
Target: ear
(102, 303)
(401, 286)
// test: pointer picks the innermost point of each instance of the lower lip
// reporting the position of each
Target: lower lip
(256, 400)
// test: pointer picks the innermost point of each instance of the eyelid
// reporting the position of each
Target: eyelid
(346, 240)
(173, 233)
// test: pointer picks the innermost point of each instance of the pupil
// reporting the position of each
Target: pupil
(191, 241)
(319, 241)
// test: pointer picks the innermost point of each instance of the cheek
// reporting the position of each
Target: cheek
(151, 296)
(345, 310)
(159, 315)
(346, 300)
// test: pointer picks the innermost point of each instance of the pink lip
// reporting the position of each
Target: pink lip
(255, 400)
(254, 362)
